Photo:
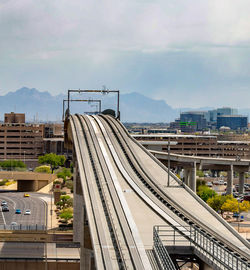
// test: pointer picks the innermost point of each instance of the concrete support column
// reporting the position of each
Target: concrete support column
(192, 183)
(78, 207)
(230, 177)
(85, 263)
(186, 176)
(241, 182)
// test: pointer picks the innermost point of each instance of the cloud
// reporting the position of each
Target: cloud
(153, 47)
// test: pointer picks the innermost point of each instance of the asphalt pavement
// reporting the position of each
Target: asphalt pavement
(16, 200)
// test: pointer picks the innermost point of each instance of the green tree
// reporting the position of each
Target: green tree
(217, 201)
(64, 174)
(200, 182)
(232, 205)
(199, 173)
(12, 164)
(43, 169)
(205, 193)
(67, 214)
(65, 201)
(53, 160)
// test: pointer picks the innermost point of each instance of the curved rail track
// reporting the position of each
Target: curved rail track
(106, 153)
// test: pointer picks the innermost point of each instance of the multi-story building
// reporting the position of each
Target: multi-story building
(196, 145)
(192, 121)
(232, 121)
(211, 115)
(19, 140)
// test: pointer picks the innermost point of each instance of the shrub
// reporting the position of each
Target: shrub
(69, 184)
(3, 182)
(43, 169)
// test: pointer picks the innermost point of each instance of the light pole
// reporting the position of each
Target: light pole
(51, 209)
(24, 157)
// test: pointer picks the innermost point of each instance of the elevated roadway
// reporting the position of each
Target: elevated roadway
(191, 163)
(121, 191)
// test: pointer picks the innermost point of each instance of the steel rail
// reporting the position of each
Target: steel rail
(111, 228)
(106, 261)
(121, 223)
(131, 177)
(164, 197)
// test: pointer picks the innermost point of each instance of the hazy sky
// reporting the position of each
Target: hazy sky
(189, 53)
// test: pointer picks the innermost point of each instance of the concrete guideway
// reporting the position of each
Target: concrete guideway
(143, 180)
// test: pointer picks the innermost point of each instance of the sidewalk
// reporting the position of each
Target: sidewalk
(52, 221)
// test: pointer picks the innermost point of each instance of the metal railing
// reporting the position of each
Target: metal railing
(205, 246)
(161, 252)
(21, 227)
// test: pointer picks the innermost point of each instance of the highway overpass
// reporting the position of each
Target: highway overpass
(191, 163)
(28, 181)
(122, 192)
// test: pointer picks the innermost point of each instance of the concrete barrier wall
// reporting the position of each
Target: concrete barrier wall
(28, 181)
(27, 176)
(31, 265)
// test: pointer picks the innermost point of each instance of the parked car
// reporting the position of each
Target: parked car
(209, 184)
(18, 211)
(27, 212)
(13, 223)
(236, 215)
(3, 203)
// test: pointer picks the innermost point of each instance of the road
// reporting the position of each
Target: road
(16, 200)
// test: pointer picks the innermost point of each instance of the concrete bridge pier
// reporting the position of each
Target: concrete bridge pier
(230, 177)
(192, 181)
(186, 176)
(78, 206)
(241, 182)
(79, 221)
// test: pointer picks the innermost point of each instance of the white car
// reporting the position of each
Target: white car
(27, 212)
(4, 203)
(209, 184)
(13, 223)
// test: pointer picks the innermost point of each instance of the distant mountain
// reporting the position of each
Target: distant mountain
(138, 108)
(134, 107)
(43, 106)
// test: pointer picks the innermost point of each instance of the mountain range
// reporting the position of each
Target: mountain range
(134, 107)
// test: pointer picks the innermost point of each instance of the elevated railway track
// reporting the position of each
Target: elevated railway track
(125, 196)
